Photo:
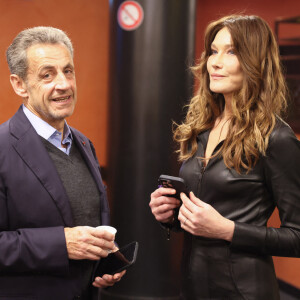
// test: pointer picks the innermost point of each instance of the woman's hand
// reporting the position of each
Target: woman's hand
(200, 218)
(163, 206)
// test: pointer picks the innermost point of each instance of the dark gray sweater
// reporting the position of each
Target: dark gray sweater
(84, 198)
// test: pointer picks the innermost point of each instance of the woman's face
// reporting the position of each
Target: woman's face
(225, 72)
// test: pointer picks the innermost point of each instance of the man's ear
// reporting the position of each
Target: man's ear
(18, 85)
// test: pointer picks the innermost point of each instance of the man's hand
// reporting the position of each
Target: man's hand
(84, 242)
(108, 280)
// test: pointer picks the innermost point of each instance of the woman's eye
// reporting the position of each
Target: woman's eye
(212, 51)
(231, 51)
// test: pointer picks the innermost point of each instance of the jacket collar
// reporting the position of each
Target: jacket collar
(29, 146)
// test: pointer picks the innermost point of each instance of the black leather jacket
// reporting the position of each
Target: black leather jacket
(243, 269)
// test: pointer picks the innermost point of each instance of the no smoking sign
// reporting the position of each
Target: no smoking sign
(130, 15)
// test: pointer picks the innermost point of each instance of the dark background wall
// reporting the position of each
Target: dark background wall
(87, 23)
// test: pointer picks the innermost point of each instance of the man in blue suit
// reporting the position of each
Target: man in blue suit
(51, 193)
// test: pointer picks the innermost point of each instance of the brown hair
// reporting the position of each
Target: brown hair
(254, 107)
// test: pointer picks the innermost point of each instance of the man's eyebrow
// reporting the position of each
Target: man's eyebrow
(46, 67)
(49, 67)
(69, 65)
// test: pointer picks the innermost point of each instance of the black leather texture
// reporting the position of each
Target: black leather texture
(243, 269)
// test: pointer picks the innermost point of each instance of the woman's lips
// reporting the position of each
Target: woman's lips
(217, 76)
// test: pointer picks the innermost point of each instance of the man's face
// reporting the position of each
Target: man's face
(50, 83)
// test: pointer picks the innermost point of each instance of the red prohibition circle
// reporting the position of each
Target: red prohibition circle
(130, 15)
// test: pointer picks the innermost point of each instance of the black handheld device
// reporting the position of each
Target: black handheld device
(117, 261)
(176, 183)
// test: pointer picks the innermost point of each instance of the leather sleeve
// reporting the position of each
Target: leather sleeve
(282, 175)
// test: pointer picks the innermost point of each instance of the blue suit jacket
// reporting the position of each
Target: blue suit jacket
(34, 209)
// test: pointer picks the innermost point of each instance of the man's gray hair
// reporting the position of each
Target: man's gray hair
(16, 53)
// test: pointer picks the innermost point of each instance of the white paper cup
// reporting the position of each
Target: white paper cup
(110, 229)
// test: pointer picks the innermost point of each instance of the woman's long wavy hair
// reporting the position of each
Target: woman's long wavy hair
(254, 107)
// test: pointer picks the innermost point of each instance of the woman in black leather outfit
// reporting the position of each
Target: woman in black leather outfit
(240, 161)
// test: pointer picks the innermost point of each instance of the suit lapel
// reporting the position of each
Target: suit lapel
(29, 146)
(84, 147)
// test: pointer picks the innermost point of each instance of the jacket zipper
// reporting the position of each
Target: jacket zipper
(202, 171)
